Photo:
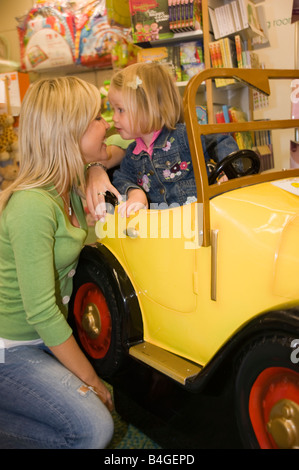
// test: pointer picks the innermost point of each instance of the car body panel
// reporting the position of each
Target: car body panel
(257, 229)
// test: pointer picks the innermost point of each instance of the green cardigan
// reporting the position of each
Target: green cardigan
(39, 250)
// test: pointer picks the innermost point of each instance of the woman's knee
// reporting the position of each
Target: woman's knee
(94, 429)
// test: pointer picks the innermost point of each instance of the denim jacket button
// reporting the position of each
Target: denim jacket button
(162, 191)
(167, 163)
(151, 172)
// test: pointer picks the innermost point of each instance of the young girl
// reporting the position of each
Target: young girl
(157, 167)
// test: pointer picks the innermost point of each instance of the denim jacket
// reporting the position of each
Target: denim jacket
(168, 176)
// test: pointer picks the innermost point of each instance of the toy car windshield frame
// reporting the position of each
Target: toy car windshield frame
(255, 78)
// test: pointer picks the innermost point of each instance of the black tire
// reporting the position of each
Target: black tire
(264, 368)
(93, 281)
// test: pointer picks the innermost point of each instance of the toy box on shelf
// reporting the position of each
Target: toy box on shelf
(47, 37)
(97, 41)
(160, 20)
(60, 34)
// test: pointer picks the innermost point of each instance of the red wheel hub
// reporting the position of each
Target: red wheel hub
(274, 408)
(93, 320)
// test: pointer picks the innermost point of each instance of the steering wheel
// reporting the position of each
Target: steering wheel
(235, 171)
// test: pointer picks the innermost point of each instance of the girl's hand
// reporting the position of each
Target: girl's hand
(97, 184)
(136, 201)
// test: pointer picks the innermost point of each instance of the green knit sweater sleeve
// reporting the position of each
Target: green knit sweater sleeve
(42, 255)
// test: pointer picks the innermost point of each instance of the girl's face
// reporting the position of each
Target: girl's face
(92, 143)
(120, 116)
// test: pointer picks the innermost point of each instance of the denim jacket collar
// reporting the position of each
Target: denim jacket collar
(159, 143)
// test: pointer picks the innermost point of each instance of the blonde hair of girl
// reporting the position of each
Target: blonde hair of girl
(55, 114)
(150, 96)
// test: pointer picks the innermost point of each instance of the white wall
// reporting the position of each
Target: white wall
(280, 55)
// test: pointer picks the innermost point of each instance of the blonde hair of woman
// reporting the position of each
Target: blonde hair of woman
(49, 139)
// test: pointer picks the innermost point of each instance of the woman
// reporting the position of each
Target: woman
(50, 395)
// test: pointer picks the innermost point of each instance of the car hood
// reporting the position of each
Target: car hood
(264, 220)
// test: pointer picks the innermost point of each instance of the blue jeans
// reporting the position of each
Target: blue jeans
(44, 406)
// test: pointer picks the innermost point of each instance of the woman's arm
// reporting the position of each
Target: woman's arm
(32, 223)
(97, 184)
(71, 356)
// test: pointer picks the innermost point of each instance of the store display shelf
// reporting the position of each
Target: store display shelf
(176, 38)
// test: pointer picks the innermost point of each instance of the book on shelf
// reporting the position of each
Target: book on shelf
(185, 15)
(150, 20)
(155, 20)
(223, 54)
(184, 59)
(231, 53)
(259, 141)
(264, 148)
(235, 16)
(240, 47)
(202, 115)
(245, 140)
(191, 59)
(167, 55)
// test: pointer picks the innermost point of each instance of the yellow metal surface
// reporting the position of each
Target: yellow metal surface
(150, 245)
(172, 276)
(256, 78)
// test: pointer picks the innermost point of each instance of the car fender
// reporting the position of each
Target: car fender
(282, 323)
(125, 292)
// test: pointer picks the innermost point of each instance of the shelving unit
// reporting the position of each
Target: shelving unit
(211, 96)
(236, 94)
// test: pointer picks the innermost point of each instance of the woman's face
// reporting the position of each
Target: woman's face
(93, 147)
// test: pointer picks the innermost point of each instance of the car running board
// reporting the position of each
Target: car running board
(169, 364)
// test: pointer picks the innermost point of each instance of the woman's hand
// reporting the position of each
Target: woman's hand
(97, 184)
(103, 393)
(71, 356)
(136, 201)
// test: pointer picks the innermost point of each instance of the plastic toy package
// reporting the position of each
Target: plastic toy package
(47, 36)
(56, 34)
(100, 42)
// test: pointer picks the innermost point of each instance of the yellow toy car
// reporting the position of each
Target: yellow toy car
(193, 290)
